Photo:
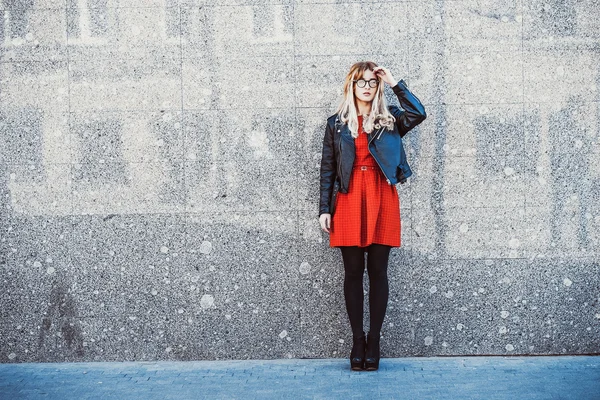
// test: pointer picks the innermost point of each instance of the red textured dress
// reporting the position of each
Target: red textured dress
(370, 211)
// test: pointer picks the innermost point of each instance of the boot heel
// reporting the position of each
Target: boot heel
(357, 355)
(372, 353)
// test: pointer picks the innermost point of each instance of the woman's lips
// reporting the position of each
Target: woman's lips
(367, 93)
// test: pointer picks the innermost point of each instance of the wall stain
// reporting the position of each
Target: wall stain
(62, 310)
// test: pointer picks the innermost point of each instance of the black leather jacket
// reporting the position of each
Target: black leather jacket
(385, 146)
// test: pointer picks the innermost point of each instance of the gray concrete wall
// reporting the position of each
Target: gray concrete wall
(160, 166)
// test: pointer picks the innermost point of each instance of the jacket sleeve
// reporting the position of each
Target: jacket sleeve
(413, 113)
(328, 171)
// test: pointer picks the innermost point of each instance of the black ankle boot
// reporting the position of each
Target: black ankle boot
(357, 355)
(372, 352)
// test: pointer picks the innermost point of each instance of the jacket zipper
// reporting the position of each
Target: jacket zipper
(379, 133)
(386, 177)
(340, 163)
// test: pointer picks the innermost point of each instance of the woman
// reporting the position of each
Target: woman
(363, 159)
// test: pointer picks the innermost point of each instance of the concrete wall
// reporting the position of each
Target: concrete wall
(160, 164)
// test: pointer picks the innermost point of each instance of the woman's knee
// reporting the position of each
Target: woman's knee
(354, 260)
(377, 259)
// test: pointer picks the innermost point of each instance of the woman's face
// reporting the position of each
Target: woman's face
(366, 93)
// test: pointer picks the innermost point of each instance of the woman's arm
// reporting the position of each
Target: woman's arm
(413, 112)
(328, 171)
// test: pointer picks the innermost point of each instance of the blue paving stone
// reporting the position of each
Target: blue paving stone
(495, 377)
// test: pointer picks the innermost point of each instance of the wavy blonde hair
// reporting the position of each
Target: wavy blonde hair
(347, 112)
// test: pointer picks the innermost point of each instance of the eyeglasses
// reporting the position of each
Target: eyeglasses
(372, 83)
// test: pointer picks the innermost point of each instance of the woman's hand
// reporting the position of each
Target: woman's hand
(325, 221)
(385, 74)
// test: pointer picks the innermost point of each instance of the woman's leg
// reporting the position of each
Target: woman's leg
(354, 268)
(377, 263)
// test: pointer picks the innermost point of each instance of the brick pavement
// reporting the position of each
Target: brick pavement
(495, 377)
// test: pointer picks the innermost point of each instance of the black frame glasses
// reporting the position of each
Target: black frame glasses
(362, 83)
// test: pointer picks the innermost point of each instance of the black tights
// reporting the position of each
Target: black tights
(354, 267)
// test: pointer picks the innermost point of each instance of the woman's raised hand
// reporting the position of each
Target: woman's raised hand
(325, 221)
(385, 74)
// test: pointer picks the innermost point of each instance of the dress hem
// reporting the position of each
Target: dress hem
(385, 244)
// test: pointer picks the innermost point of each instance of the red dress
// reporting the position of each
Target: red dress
(370, 211)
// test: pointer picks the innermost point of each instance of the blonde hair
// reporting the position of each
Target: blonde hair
(379, 116)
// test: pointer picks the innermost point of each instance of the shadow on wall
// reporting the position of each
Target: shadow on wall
(60, 319)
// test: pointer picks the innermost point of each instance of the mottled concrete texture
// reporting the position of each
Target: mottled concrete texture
(159, 168)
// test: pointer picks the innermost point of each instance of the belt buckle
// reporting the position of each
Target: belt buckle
(363, 168)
